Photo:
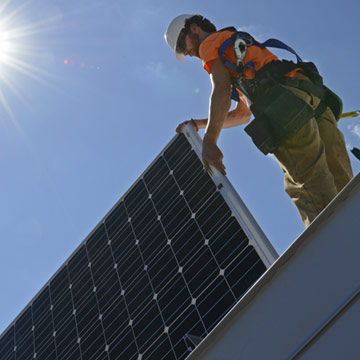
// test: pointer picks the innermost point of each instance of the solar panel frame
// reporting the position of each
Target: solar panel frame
(82, 278)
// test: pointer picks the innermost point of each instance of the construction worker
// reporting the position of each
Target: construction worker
(287, 99)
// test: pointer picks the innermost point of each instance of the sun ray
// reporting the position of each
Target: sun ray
(29, 70)
(9, 111)
(5, 79)
(4, 5)
(19, 52)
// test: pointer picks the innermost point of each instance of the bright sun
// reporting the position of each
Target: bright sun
(18, 50)
(6, 45)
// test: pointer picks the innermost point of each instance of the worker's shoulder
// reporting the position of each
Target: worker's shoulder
(209, 47)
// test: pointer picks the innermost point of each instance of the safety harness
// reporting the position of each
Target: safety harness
(278, 111)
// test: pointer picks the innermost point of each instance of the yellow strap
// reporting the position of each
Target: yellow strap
(350, 114)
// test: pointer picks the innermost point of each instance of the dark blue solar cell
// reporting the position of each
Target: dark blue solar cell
(23, 326)
(188, 323)
(7, 344)
(138, 293)
(96, 242)
(187, 242)
(63, 309)
(41, 306)
(102, 265)
(122, 243)
(148, 326)
(124, 347)
(160, 349)
(59, 284)
(200, 271)
(116, 220)
(174, 299)
(244, 271)
(108, 291)
(93, 345)
(215, 302)
(67, 339)
(136, 197)
(25, 349)
(115, 320)
(47, 351)
(227, 242)
(213, 214)
(156, 175)
(177, 151)
(78, 264)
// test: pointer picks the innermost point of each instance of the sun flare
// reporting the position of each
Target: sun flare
(7, 47)
(19, 50)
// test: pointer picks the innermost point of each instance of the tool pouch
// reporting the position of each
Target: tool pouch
(334, 102)
(278, 114)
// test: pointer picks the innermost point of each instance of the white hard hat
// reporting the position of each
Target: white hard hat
(172, 33)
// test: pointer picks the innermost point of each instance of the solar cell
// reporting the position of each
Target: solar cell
(156, 275)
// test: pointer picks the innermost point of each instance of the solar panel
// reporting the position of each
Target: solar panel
(155, 276)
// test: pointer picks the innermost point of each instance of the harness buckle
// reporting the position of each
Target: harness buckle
(240, 50)
(241, 42)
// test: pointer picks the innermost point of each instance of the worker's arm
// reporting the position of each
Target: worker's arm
(218, 110)
(240, 115)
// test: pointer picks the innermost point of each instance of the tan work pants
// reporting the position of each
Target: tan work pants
(315, 161)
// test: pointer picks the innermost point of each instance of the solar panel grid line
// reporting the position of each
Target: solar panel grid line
(115, 328)
(153, 350)
(190, 208)
(125, 301)
(97, 302)
(247, 272)
(62, 335)
(125, 346)
(211, 254)
(202, 234)
(239, 279)
(68, 349)
(73, 305)
(171, 247)
(25, 342)
(191, 188)
(221, 249)
(68, 355)
(108, 299)
(153, 290)
(7, 345)
(48, 353)
(64, 318)
(44, 342)
(196, 327)
(226, 296)
(243, 255)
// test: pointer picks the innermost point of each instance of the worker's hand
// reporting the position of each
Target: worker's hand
(191, 122)
(212, 156)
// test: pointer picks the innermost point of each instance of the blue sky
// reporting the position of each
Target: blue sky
(93, 94)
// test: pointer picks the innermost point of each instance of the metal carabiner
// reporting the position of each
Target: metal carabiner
(240, 46)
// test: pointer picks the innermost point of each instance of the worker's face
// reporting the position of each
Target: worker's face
(192, 42)
(189, 44)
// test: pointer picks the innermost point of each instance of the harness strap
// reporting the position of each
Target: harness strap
(279, 45)
(250, 41)
(229, 64)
